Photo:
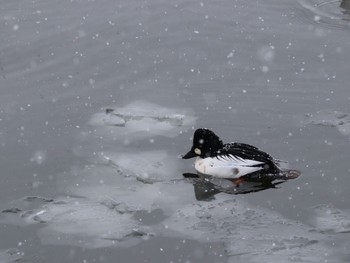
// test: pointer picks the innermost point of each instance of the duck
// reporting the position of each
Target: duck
(237, 162)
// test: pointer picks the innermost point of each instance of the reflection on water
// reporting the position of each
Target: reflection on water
(205, 188)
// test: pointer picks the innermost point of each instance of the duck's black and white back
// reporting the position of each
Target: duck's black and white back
(231, 160)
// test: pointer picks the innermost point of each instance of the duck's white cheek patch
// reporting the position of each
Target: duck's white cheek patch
(197, 151)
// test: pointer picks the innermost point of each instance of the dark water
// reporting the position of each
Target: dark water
(79, 186)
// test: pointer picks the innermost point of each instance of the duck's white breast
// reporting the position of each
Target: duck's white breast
(226, 167)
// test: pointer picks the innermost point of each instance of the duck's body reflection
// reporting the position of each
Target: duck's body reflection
(205, 188)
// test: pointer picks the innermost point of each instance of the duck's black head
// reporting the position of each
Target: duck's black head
(205, 144)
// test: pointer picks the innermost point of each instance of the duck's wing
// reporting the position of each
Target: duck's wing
(247, 152)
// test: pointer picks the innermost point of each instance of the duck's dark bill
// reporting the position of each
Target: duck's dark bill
(189, 155)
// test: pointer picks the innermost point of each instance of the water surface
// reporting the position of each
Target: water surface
(273, 74)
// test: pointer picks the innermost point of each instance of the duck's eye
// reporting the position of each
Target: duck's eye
(201, 141)
(197, 151)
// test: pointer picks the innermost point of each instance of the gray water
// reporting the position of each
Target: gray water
(80, 185)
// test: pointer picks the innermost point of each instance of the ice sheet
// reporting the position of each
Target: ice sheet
(106, 209)
(329, 219)
(331, 118)
(10, 255)
(141, 119)
(126, 195)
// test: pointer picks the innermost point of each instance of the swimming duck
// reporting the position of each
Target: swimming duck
(235, 161)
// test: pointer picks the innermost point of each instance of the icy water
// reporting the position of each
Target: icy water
(82, 185)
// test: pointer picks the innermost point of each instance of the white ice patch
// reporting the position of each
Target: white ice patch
(147, 166)
(103, 211)
(329, 219)
(141, 119)
(10, 255)
(331, 118)
(124, 191)
(80, 222)
(105, 119)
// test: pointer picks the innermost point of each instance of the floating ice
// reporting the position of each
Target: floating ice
(120, 212)
(142, 119)
(146, 166)
(331, 118)
(130, 195)
(80, 222)
(329, 219)
(249, 235)
(10, 255)
(107, 119)
(21, 211)
(100, 215)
